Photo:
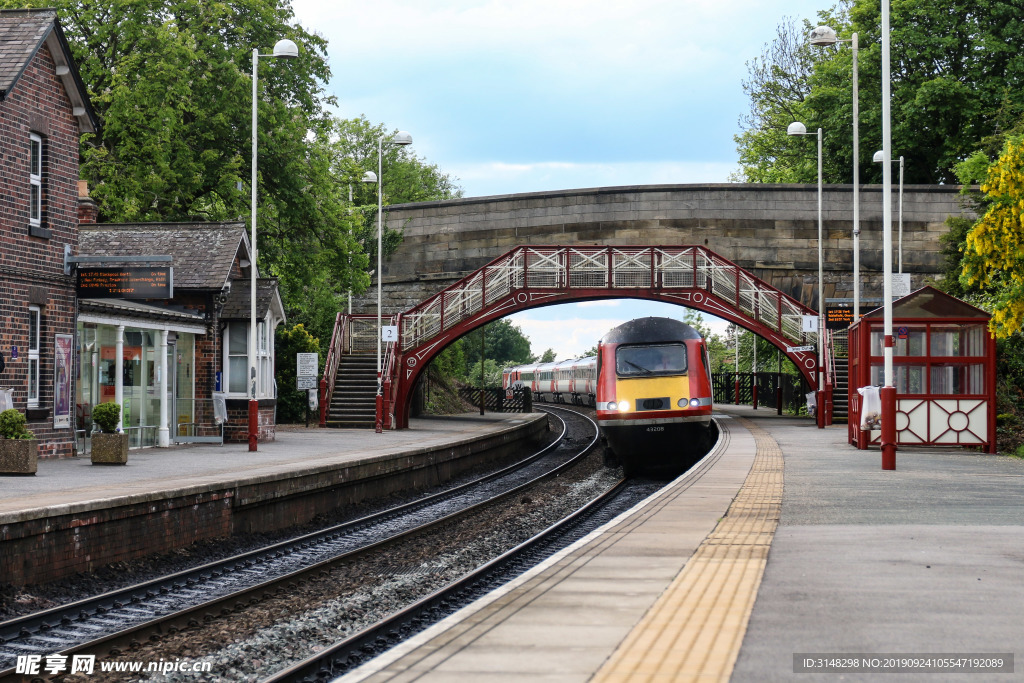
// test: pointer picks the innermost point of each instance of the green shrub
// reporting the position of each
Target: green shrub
(291, 403)
(107, 415)
(12, 425)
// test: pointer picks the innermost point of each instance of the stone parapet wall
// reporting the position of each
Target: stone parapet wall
(770, 230)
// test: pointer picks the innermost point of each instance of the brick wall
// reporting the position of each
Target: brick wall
(32, 260)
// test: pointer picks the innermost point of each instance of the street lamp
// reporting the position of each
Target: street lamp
(878, 159)
(400, 138)
(288, 50)
(888, 392)
(797, 128)
(823, 36)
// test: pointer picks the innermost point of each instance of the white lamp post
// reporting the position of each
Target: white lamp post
(400, 138)
(888, 392)
(287, 49)
(823, 36)
(879, 156)
(797, 128)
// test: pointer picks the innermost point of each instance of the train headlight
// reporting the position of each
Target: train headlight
(612, 405)
(694, 402)
(682, 403)
(623, 406)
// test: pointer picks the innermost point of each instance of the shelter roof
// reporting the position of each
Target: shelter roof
(929, 302)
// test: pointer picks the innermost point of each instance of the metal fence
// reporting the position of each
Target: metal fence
(500, 400)
(773, 389)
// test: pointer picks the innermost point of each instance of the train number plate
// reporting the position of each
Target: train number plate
(655, 429)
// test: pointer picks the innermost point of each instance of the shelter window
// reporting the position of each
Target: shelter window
(958, 340)
(640, 361)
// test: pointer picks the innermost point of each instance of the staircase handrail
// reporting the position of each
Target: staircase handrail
(331, 365)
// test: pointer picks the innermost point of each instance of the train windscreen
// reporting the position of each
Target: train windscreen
(641, 361)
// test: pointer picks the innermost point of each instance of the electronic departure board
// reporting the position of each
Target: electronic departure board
(126, 283)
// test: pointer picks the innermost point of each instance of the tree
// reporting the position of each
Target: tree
(289, 341)
(504, 342)
(777, 85)
(956, 70)
(171, 82)
(993, 257)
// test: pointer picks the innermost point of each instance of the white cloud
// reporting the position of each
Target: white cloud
(600, 303)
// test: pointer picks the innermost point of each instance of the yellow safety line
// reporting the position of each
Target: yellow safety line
(694, 630)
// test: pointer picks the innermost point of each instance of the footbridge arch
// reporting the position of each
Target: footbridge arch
(534, 276)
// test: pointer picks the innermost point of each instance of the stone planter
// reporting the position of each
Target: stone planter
(109, 449)
(18, 456)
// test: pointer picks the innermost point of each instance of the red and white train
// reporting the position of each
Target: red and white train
(651, 385)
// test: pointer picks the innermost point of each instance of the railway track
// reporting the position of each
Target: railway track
(368, 643)
(129, 620)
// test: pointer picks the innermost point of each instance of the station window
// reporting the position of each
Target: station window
(34, 335)
(236, 345)
(35, 180)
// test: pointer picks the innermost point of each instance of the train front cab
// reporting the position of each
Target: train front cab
(654, 404)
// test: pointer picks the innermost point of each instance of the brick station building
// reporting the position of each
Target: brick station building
(43, 112)
(201, 332)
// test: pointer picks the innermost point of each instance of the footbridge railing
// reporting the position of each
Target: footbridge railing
(602, 271)
(531, 276)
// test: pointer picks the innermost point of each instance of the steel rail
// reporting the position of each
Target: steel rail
(105, 606)
(359, 647)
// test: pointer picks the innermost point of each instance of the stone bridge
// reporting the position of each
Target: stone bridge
(769, 230)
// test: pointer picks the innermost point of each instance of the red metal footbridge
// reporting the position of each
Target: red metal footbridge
(533, 276)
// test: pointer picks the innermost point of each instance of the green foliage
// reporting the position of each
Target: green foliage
(954, 64)
(491, 376)
(171, 82)
(288, 341)
(504, 343)
(12, 425)
(107, 415)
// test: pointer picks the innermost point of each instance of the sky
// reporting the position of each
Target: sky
(511, 96)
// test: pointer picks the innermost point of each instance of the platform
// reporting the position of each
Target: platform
(75, 516)
(790, 543)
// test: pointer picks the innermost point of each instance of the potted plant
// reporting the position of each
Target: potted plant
(18, 446)
(109, 446)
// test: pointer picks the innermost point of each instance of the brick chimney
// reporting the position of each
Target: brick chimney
(88, 210)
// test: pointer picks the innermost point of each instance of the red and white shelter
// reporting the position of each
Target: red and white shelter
(943, 368)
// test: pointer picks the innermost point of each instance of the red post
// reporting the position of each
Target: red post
(323, 402)
(888, 395)
(254, 421)
(819, 415)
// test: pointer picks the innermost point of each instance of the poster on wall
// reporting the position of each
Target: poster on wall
(62, 348)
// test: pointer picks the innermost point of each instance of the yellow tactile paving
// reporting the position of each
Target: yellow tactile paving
(695, 629)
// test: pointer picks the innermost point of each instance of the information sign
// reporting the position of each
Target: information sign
(389, 333)
(126, 283)
(306, 364)
(797, 349)
(305, 382)
(900, 285)
(810, 323)
(838, 317)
